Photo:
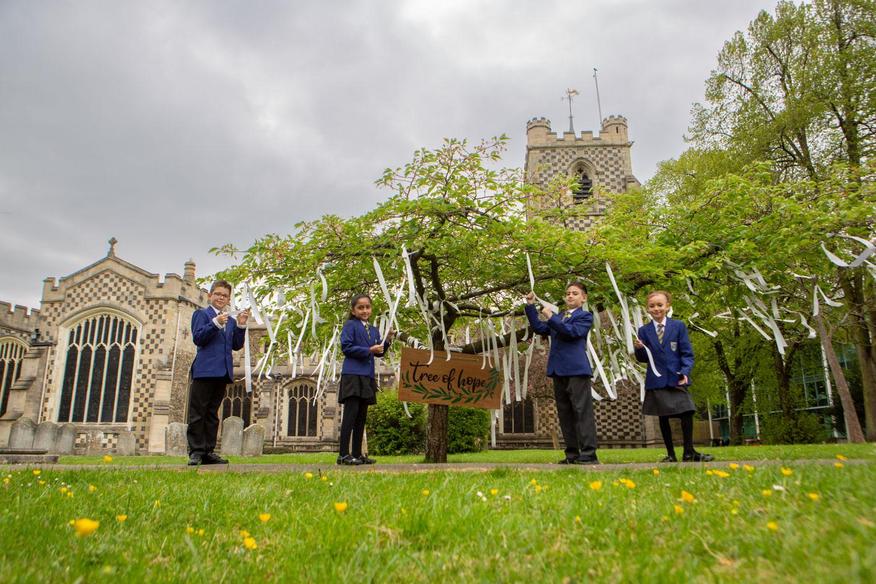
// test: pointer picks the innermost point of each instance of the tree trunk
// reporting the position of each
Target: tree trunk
(436, 433)
(853, 286)
(853, 426)
(736, 388)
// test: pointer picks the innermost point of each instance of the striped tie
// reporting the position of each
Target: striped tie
(660, 333)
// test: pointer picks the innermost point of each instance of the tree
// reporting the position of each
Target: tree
(465, 227)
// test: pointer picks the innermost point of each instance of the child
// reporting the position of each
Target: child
(360, 342)
(667, 396)
(216, 334)
(570, 370)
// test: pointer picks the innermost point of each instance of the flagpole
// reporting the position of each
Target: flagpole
(598, 103)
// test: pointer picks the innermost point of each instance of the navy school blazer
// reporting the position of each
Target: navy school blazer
(214, 345)
(568, 354)
(356, 338)
(673, 357)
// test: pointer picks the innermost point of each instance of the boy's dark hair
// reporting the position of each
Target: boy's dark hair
(659, 292)
(353, 302)
(221, 284)
(578, 284)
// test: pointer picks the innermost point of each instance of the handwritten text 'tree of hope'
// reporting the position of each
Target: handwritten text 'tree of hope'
(455, 376)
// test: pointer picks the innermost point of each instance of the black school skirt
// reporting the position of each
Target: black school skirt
(361, 386)
(669, 401)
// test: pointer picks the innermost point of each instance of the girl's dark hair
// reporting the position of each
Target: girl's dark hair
(353, 303)
(577, 284)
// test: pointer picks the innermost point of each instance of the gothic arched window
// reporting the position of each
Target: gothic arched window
(518, 417)
(585, 185)
(236, 403)
(99, 369)
(302, 410)
(11, 354)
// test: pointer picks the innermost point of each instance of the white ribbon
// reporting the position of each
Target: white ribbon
(598, 364)
(869, 249)
(412, 291)
(625, 311)
(247, 364)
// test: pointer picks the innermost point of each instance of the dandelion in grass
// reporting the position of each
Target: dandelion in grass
(766, 493)
(842, 457)
(250, 543)
(63, 490)
(121, 518)
(494, 492)
(733, 466)
(533, 482)
(6, 480)
(721, 473)
(577, 519)
(538, 488)
(107, 458)
(244, 533)
(36, 472)
(308, 475)
(748, 468)
(323, 478)
(679, 510)
(156, 504)
(813, 496)
(772, 526)
(709, 472)
(69, 494)
(425, 492)
(341, 506)
(264, 517)
(596, 485)
(85, 527)
(655, 472)
(201, 532)
(41, 482)
(687, 497)
(838, 464)
(92, 488)
(189, 529)
(627, 483)
(787, 471)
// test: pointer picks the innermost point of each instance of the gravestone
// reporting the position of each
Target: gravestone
(66, 439)
(175, 441)
(127, 444)
(254, 440)
(22, 433)
(232, 436)
(46, 437)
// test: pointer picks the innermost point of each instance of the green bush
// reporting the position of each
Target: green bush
(391, 431)
(468, 430)
(802, 429)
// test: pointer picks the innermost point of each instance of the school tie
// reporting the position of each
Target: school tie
(567, 315)
(660, 333)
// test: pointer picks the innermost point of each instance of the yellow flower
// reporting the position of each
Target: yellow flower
(244, 533)
(91, 488)
(189, 529)
(578, 519)
(655, 472)
(63, 490)
(308, 475)
(72, 522)
(722, 474)
(733, 466)
(596, 485)
(627, 483)
(494, 492)
(323, 478)
(772, 526)
(748, 468)
(250, 543)
(41, 482)
(787, 471)
(766, 493)
(679, 510)
(156, 504)
(70, 494)
(841, 457)
(107, 458)
(813, 496)
(85, 527)
(340, 507)
(533, 482)
(425, 492)
(36, 472)
(121, 518)
(264, 517)
(6, 480)
(838, 464)
(201, 532)
(710, 472)
(537, 488)
(734, 511)
(687, 497)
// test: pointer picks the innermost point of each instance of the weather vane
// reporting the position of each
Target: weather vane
(570, 93)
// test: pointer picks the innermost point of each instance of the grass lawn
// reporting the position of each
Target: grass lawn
(795, 522)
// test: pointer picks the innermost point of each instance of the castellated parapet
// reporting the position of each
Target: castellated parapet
(614, 132)
(18, 320)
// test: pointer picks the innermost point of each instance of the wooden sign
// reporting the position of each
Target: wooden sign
(458, 382)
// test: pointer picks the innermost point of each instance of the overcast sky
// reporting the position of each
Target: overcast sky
(177, 126)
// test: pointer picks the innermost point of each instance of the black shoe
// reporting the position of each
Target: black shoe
(697, 457)
(668, 458)
(350, 460)
(213, 458)
(586, 460)
(195, 460)
(567, 461)
(365, 460)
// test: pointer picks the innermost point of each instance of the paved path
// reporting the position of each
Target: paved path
(421, 467)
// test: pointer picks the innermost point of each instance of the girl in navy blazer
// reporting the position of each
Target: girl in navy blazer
(570, 369)
(667, 396)
(360, 343)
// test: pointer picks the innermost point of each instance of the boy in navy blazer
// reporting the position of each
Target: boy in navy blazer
(570, 369)
(667, 396)
(216, 335)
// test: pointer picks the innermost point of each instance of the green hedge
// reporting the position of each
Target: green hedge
(391, 432)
